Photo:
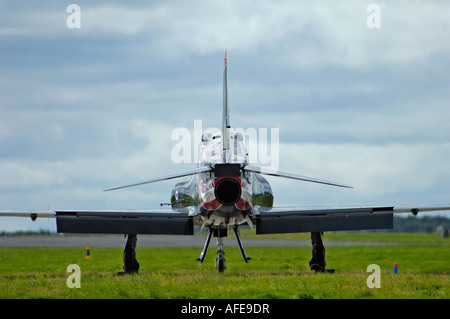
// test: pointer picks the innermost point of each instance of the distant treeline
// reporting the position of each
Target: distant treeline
(41, 232)
(413, 224)
(424, 224)
(410, 224)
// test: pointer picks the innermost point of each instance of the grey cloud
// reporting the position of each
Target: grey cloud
(86, 109)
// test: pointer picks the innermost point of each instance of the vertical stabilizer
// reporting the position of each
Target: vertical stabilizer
(226, 111)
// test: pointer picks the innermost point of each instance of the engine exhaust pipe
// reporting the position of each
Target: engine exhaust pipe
(227, 191)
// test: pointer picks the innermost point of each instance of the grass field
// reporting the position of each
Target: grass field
(274, 272)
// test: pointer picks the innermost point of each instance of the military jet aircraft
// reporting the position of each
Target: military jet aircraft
(224, 192)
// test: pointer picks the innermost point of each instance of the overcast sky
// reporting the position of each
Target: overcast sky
(89, 108)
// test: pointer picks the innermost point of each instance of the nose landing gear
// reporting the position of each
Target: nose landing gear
(220, 261)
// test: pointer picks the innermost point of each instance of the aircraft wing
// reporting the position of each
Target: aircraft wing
(275, 220)
(33, 214)
(148, 221)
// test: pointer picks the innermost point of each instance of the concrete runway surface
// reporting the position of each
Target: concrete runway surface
(155, 241)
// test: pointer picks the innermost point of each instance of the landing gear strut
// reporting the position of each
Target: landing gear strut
(130, 264)
(317, 262)
(220, 261)
(241, 247)
(205, 247)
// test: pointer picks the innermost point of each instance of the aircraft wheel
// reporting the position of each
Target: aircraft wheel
(221, 264)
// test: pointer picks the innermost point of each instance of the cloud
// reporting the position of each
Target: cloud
(20, 176)
(392, 174)
(85, 109)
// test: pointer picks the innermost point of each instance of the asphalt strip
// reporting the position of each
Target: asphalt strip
(158, 241)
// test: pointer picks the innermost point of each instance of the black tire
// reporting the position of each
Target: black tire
(221, 264)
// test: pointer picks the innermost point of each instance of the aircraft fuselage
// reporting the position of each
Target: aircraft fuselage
(225, 195)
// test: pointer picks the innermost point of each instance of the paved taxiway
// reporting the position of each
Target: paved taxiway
(155, 241)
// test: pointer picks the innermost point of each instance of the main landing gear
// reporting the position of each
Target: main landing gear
(130, 264)
(317, 262)
(220, 260)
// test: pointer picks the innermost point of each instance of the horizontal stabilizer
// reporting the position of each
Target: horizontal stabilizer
(265, 171)
(187, 173)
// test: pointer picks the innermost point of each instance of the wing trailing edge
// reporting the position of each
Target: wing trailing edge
(154, 222)
(276, 220)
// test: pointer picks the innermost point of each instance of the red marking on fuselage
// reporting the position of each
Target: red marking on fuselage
(241, 204)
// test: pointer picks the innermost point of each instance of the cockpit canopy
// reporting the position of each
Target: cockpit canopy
(211, 152)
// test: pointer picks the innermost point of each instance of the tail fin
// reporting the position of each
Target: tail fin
(226, 111)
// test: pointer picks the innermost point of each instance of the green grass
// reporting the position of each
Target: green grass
(403, 238)
(274, 272)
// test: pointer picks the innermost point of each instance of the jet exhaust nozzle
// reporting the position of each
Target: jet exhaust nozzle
(227, 191)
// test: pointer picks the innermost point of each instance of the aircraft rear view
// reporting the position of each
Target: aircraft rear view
(224, 192)
(225, 195)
